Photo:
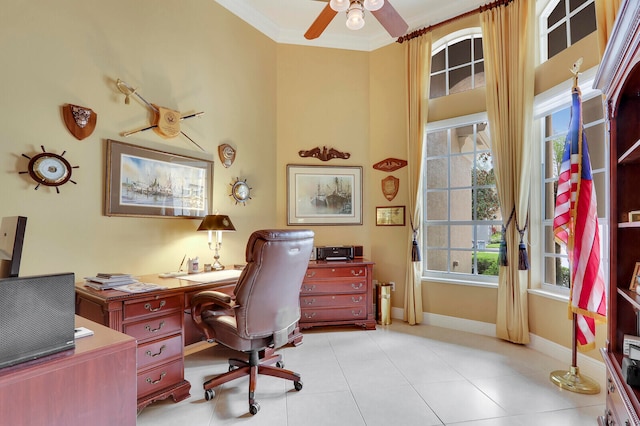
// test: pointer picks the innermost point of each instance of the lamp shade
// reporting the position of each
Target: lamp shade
(355, 16)
(216, 222)
(339, 5)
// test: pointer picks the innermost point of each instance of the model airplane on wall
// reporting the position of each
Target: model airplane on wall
(381, 9)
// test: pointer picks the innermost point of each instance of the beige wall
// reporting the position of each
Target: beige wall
(190, 56)
(269, 101)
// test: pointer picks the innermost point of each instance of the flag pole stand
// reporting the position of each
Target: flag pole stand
(572, 380)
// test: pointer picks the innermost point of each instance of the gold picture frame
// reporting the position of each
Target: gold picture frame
(634, 279)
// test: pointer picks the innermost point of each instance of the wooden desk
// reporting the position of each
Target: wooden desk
(158, 321)
(93, 384)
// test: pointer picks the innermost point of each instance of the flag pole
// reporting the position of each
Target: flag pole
(571, 379)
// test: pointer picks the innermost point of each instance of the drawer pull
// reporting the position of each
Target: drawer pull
(309, 316)
(309, 301)
(155, 382)
(356, 286)
(357, 274)
(153, 330)
(309, 287)
(354, 300)
(148, 307)
(162, 348)
(356, 314)
(311, 274)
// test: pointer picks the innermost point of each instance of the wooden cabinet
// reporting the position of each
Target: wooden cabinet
(158, 321)
(619, 79)
(337, 293)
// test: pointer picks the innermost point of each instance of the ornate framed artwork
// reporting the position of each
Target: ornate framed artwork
(324, 195)
(390, 216)
(146, 182)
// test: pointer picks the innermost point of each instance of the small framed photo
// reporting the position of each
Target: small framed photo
(634, 280)
(634, 216)
(390, 216)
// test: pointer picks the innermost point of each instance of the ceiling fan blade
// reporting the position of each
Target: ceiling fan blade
(391, 20)
(321, 22)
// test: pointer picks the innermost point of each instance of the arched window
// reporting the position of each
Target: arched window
(563, 23)
(457, 63)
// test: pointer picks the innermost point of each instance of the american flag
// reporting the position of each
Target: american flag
(575, 225)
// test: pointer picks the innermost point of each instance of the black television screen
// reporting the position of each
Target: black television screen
(11, 240)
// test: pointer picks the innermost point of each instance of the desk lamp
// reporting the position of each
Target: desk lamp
(218, 223)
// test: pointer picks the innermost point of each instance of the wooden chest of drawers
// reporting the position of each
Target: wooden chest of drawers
(337, 293)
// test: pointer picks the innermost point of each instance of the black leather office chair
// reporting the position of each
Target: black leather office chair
(263, 310)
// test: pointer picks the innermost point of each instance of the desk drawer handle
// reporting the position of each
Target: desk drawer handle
(356, 314)
(155, 382)
(356, 286)
(309, 316)
(354, 300)
(357, 274)
(309, 287)
(153, 330)
(148, 307)
(309, 301)
(311, 274)
(162, 348)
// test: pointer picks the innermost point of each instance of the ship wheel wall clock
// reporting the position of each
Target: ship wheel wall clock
(240, 191)
(49, 169)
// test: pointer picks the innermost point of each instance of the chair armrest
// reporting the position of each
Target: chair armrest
(209, 300)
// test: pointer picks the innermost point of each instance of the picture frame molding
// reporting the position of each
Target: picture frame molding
(115, 153)
(302, 177)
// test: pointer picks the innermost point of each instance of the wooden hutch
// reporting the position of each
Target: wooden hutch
(619, 80)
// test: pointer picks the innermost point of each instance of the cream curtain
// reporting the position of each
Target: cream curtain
(606, 12)
(508, 39)
(418, 60)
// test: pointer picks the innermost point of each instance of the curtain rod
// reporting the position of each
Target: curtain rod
(421, 31)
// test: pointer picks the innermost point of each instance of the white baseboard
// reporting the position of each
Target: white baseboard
(589, 366)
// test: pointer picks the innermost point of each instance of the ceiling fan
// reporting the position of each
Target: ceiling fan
(381, 9)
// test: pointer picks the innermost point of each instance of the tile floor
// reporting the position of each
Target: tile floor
(395, 375)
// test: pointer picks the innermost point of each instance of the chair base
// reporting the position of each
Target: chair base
(252, 368)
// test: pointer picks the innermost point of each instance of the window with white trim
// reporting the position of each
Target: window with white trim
(564, 23)
(457, 63)
(554, 125)
(461, 229)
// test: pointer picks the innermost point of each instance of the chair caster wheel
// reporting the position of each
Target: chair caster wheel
(297, 385)
(209, 394)
(254, 408)
(280, 364)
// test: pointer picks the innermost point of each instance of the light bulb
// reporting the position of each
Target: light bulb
(355, 16)
(373, 5)
(339, 5)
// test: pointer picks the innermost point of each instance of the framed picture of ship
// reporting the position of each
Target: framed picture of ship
(324, 195)
(142, 181)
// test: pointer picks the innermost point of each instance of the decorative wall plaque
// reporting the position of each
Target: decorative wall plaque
(390, 186)
(227, 154)
(81, 121)
(324, 154)
(390, 164)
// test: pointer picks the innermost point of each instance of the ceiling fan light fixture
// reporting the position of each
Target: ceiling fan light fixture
(355, 16)
(373, 5)
(339, 5)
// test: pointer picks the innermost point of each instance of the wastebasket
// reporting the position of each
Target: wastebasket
(384, 304)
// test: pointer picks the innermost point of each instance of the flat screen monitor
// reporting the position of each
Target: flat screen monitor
(11, 240)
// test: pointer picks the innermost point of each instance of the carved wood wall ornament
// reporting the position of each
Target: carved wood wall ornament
(81, 121)
(390, 186)
(324, 154)
(390, 164)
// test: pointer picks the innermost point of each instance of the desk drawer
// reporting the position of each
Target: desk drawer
(333, 314)
(159, 351)
(333, 287)
(157, 305)
(154, 328)
(160, 378)
(336, 272)
(345, 300)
